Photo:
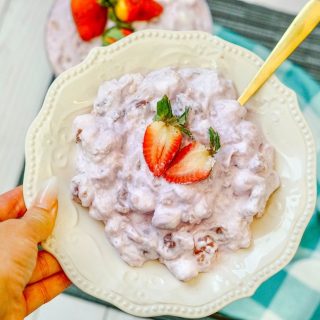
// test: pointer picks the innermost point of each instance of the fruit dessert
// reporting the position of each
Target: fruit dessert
(172, 165)
(76, 26)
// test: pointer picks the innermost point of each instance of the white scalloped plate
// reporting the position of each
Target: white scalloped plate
(79, 242)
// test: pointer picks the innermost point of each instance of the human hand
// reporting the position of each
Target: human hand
(28, 277)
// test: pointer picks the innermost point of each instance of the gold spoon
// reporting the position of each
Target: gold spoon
(301, 27)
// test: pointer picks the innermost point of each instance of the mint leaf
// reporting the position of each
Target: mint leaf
(215, 144)
(164, 110)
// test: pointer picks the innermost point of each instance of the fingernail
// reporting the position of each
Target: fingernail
(47, 196)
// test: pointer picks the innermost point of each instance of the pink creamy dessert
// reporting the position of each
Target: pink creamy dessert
(66, 48)
(147, 218)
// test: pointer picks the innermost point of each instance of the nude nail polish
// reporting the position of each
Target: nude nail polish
(47, 196)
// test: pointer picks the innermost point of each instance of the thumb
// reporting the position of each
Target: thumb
(40, 218)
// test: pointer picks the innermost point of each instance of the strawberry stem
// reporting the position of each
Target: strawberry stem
(107, 3)
(119, 24)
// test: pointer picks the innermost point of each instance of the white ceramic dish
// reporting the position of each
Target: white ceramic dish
(79, 242)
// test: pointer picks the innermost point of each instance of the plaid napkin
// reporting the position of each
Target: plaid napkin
(294, 292)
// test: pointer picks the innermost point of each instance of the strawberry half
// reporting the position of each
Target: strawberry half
(194, 162)
(90, 18)
(137, 10)
(162, 138)
(160, 145)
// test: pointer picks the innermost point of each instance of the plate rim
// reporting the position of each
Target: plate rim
(247, 289)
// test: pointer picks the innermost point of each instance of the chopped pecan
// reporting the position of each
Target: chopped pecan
(168, 242)
(75, 194)
(141, 103)
(219, 230)
(208, 243)
(78, 139)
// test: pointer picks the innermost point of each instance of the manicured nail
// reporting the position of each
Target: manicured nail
(47, 196)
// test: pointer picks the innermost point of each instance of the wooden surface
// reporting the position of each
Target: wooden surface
(24, 78)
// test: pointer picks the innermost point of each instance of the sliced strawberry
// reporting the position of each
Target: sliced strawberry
(90, 18)
(160, 145)
(162, 138)
(194, 162)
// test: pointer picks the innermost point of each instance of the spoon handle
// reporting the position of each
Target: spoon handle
(301, 27)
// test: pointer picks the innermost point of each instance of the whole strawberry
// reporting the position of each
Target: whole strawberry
(90, 18)
(162, 138)
(137, 10)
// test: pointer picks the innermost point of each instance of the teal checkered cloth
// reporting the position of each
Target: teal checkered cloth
(294, 292)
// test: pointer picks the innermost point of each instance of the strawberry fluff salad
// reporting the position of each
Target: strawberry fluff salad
(175, 179)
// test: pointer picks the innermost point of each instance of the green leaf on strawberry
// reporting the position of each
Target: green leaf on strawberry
(186, 131)
(114, 34)
(164, 110)
(183, 118)
(107, 3)
(214, 137)
(164, 113)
